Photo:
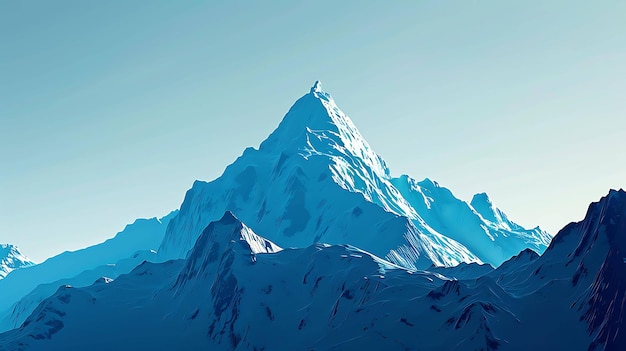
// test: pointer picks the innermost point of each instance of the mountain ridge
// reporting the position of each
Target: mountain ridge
(360, 300)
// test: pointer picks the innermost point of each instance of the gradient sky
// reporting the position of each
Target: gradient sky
(109, 110)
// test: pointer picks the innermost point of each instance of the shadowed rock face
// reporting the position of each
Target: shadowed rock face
(605, 308)
(228, 235)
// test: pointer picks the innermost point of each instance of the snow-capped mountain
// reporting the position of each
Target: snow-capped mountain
(11, 259)
(480, 226)
(239, 291)
(316, 179)
(115, 256)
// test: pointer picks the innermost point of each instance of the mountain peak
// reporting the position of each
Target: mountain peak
(317, 87)
(481, 198)
(228, 236)
(483, 205)
(11, 259)
(428, 183)
(228, 218)
(8, 250)
(315, 125)
(317, 92)
(616, 194)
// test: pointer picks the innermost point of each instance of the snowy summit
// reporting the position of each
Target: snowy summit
(317, 87)
(11, 259)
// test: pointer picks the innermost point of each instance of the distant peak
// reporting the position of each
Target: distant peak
(317, 87)
(11, 258)
(483, 205)
(428, 183)
(8, 249)
(481, 197)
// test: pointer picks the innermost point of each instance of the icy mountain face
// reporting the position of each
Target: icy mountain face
(11, 259)
(481, 227)
(143, 234)
(239, 291)
(316, 179)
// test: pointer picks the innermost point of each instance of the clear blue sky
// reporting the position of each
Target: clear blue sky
(110, 109)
